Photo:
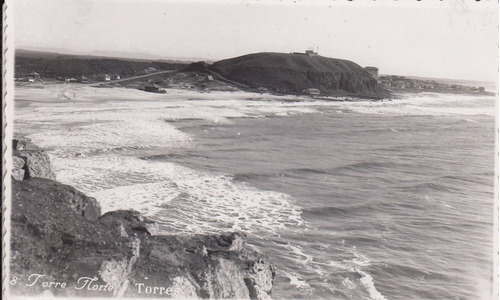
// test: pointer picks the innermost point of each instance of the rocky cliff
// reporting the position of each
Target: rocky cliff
(295, 73)
(61, 245)
(29, 163)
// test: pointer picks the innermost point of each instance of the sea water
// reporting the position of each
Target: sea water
(363, 199)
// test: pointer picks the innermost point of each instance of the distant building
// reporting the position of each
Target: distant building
(104, 77)
(70, 79)
(309, 52)
(33, 77)
(312, 91)
(115, 76)
(83, 79)
(210, 78)
(372, 70)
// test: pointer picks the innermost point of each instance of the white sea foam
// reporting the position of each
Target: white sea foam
(299, 253)
(348, 283)
(367, 281)
(90, 142)
(85, 139)
(147, 198)
(297, 281)
(360, 260)
(189, 201)
(356, 265)
(89, 133)
(428, 104)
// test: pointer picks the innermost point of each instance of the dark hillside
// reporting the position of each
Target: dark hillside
(294, 73)
(72, 66)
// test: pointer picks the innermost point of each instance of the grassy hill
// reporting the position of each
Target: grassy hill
(51, 65)
(294, 73)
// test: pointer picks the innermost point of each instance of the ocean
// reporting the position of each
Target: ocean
(389, 199)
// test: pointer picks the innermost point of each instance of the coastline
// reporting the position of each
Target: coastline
(231, 112)
(59, 236)
(222, 151)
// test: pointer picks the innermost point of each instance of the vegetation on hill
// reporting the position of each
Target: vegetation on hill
(72, 66)
(295, 73)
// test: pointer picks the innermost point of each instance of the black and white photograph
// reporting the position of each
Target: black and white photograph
(250, 149)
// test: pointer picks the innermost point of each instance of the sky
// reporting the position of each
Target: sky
(455, 39)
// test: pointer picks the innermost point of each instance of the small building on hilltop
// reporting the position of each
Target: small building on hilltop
(372, 70)
(312, 91)
(309, 52)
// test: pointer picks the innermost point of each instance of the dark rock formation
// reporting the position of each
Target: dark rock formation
(18, 163)
(292, 73)
(48, 190)
(203, 266)
(18, 172)
(200, 66)
(130, 220)
(30, 163)
(50, 236)
(57, 233)
(18, 144)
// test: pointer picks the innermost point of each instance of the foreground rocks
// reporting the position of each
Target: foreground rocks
(29, 163)
(62, 246)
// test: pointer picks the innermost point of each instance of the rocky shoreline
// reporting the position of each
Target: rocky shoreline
(61, 245)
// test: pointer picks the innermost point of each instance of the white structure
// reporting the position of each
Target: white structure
(312, 91)
(104, 77)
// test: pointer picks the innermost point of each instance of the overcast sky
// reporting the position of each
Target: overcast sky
(454, 39)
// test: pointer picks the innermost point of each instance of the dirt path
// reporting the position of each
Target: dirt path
(133, 78)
